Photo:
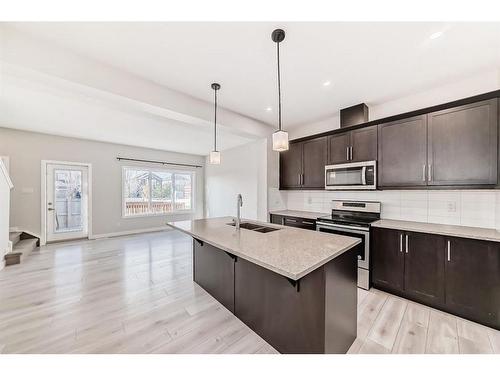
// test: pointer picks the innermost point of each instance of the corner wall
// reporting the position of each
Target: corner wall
(26, 151)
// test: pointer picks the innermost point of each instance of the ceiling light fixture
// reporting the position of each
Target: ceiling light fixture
(327, 83)
(269, 109)
(436, 35)
(280, 138)
(214, 157)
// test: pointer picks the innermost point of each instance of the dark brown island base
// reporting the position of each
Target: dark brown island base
(297, 289)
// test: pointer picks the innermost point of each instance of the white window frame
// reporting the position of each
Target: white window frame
(169, 170)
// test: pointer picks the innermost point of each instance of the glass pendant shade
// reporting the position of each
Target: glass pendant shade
(280, 141)
(214, 157)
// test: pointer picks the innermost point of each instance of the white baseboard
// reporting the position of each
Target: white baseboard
(129, 232)
(14, 229)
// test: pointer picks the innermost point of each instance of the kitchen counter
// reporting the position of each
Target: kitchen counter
(442, 229)
(290, 252)
(303, 214)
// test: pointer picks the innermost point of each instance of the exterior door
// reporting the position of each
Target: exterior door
(424, 267)
(67, 199)
(462, 145)
(314, 161)
(402, 152)
(291, 166)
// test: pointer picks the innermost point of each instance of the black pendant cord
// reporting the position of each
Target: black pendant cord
(279, 86)
(215, 121)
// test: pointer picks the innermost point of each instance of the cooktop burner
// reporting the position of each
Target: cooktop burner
(353, 213)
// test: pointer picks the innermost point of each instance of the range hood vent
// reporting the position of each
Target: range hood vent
(355, 115)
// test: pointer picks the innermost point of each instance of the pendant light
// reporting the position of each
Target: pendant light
(214, 157)
(280, 137)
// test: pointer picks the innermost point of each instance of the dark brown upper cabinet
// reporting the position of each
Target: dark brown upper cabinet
(303, 165)
(462, 145)
(352, 146)
(291, 166)
(402, 152)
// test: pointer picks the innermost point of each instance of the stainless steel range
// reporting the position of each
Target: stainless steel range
(353, 218)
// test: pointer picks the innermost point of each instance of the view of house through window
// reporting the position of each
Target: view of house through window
(154, 192)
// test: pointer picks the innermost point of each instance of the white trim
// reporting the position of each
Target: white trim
(3, 168)
(14, 229)
(129, 232)
(43, 200)
(190, 170)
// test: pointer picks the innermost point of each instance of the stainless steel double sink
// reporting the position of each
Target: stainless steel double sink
(255, 227)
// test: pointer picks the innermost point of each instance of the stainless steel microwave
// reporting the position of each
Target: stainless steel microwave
(351, 176)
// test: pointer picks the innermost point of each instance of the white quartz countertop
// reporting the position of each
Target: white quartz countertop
(445, 230)
(303, 214)
(291, 252)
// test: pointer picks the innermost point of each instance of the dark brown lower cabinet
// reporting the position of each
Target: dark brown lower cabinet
(213, 269)
(297, 222)
(457, 275)
(473, 279)
(276, 219)
(387, 258)
(424, 267)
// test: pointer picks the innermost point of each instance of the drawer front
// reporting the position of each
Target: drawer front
(299, 222)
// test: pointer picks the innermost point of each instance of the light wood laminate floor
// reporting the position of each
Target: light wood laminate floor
(135, 294)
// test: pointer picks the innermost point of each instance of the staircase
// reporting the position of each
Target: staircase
(22, 245)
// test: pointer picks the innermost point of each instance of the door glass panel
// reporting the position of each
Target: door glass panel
(68, 200)
(344, 177)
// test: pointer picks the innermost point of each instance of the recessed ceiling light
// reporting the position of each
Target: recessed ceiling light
(269, 109)
(327, 83)
(436, 35)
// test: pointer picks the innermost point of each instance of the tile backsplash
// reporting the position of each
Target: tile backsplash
(477, 208)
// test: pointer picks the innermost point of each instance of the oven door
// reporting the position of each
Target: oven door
(364, 255)
(358, 176)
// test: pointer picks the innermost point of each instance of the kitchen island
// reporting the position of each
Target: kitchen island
(295, 288)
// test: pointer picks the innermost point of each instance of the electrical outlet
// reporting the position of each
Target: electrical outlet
(452, 207)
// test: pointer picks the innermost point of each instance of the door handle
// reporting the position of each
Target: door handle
(50, 209)
(430, 172)
(423, 172)
(449, 251)
(406, 244)
(347, 153)
(351, 152)
(401, 243)
(300, 179)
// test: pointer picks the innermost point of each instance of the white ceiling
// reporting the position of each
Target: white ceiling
(365, 62)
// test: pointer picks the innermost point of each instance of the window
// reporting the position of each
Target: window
(156, 192)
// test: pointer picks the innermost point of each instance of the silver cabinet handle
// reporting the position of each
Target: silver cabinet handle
(350, 157)
(299, 179)
(290, 220)
(347, 153)
(308, 222)
(449, 251)
(423, 172)
(430, 172)
(401, 243)
(406, 244)
(302, 181)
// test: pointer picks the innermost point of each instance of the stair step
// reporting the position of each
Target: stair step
(15, 237)
(25, 247)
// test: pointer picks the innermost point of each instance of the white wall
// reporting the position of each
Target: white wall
(477, 208)
(243, 170)
(5, 187)
(27, 149)
(474, 85)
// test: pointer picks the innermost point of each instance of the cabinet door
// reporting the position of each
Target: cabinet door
(472, 270)
(213, 270)
(462, 145)
(402, 152)
(387, 258)
(291, 166)
(277, 219)
(338, 148)
(364, 144)
(314, 161)
(424, 267)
